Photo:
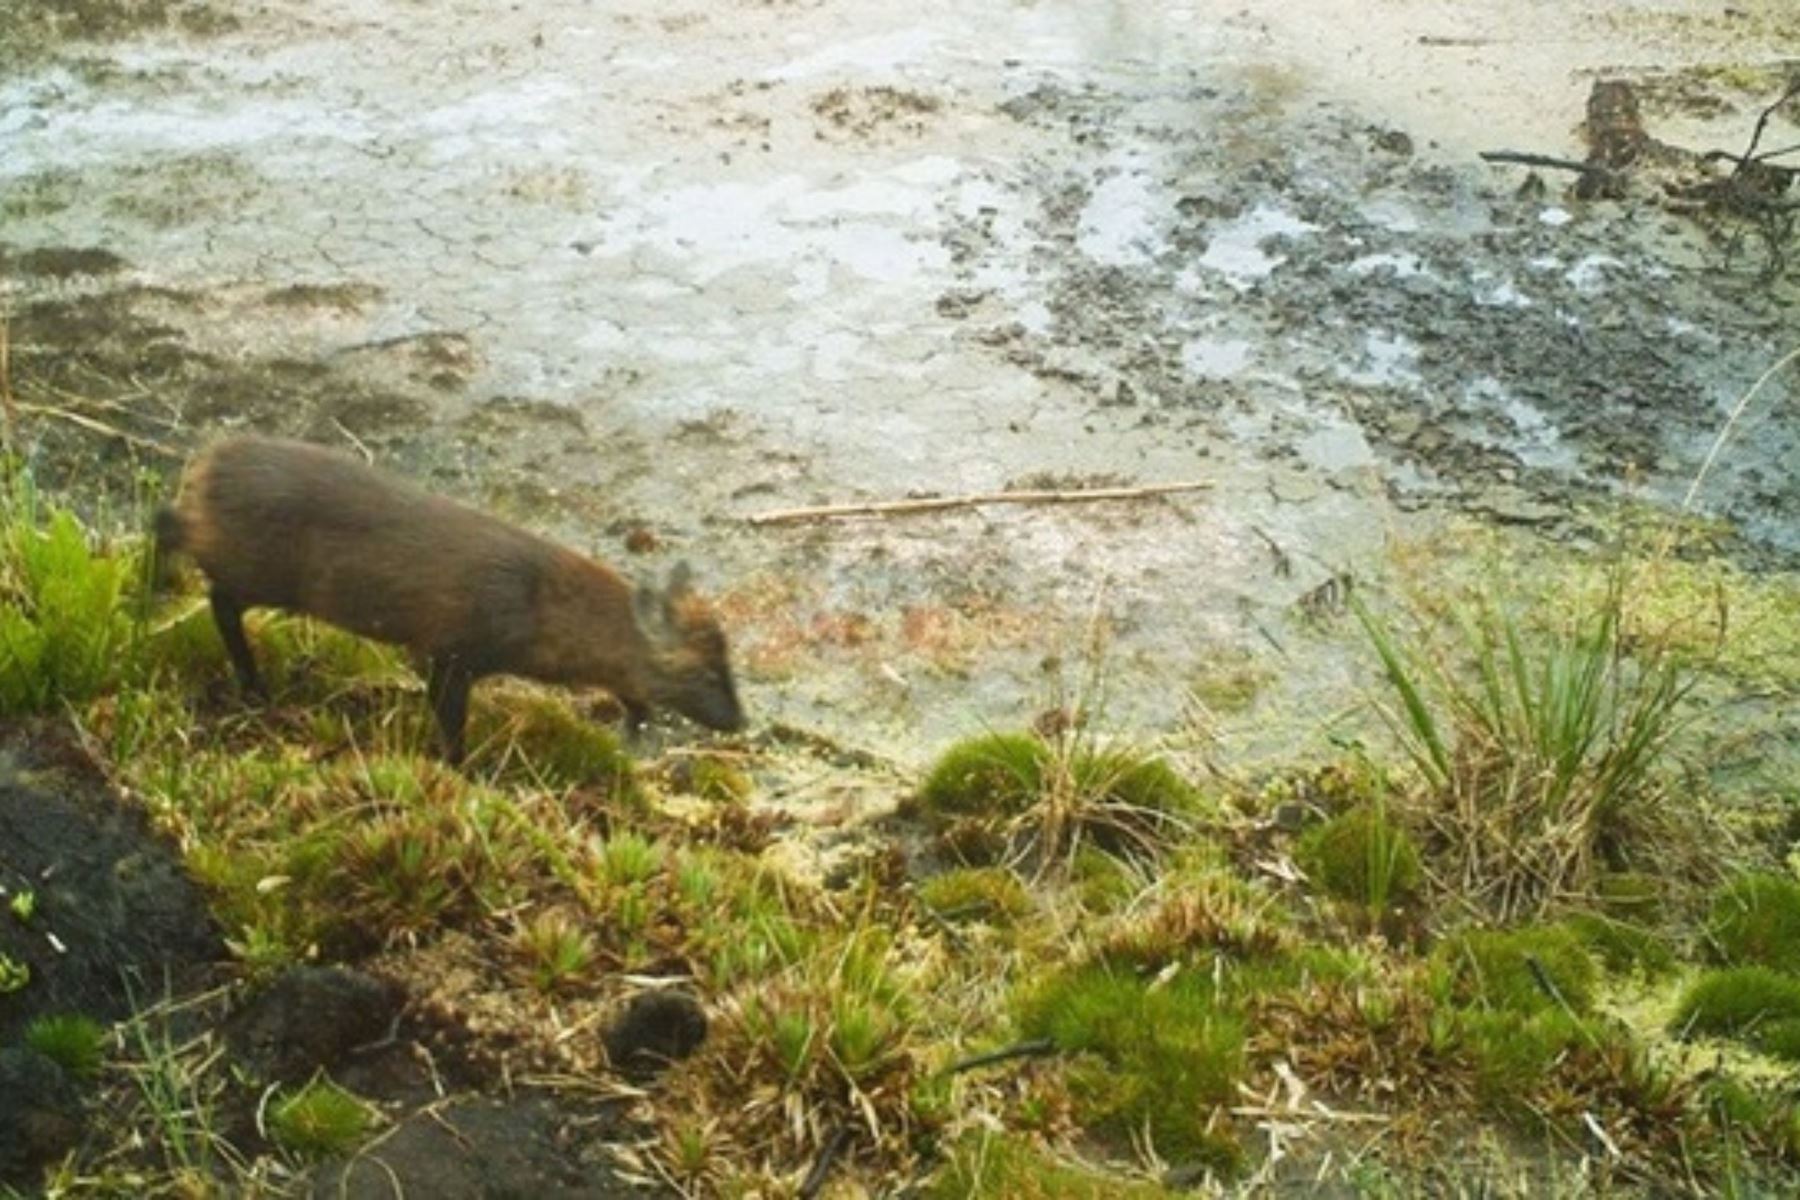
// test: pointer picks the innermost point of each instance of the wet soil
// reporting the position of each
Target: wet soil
(643, 273)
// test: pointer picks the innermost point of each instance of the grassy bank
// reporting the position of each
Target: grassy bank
(1516, 944)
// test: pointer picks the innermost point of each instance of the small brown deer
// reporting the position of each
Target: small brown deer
(294, 526)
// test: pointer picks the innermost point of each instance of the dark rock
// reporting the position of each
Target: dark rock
(310, 1019)
(40, 1112)
(113, 906)
(656, 1029)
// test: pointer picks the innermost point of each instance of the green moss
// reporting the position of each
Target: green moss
(75, 1043)
(1495, 969)
(977, 893)
(1362, 856)
(303, 659)
(1622, 946)
(997, 1166)
(711, 778)
(997, 774)
(1128, 780)
(1754, 1003)
(1157, 1060)
(540, 740)
(1105, 883)
(1231, 681)
(981, 792)
(320, 1120)
(1513, 1052)
(1755, 919)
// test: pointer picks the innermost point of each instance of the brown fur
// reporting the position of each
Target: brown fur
(294, 526)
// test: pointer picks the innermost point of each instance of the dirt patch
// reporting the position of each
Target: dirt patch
(861, 112)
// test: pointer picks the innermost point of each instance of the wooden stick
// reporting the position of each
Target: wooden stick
(1545, 160)
(94, 425)
(875, 508)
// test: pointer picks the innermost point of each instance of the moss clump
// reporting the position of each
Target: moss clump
(997, 1166)
(1132, 782)
(1755, 1004)
(1512, 1052)
(1622, 946)
(542, 741)
(75, 1043)
(1153, 1060)
(1105, 883)
(320, 1120)
(1362, 856)
(1000, 790)
(998, 774)
(1755, 919)
(991, 894)
(711, 778)
(1516, 969)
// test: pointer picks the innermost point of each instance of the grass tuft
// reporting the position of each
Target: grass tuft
(986, 1165)
(65, 630)
(1538, 753)
(75, 1043)
(319, 1121)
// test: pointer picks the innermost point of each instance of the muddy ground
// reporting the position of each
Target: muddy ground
(645, 267)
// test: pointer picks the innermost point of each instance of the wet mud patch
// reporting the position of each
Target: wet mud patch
(1339, 305)
(182, 190)
(113, 381)
(59, 262)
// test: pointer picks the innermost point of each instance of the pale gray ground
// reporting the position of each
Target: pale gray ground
(685, 262)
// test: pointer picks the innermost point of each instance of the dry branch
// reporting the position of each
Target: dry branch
(883, 508)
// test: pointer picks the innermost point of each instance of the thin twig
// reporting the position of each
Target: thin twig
(821, 1169)
(1737, 411)
(1524, 159)
(1036, 1048)
(95, 425)
(932, 503)
(1762, 121)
